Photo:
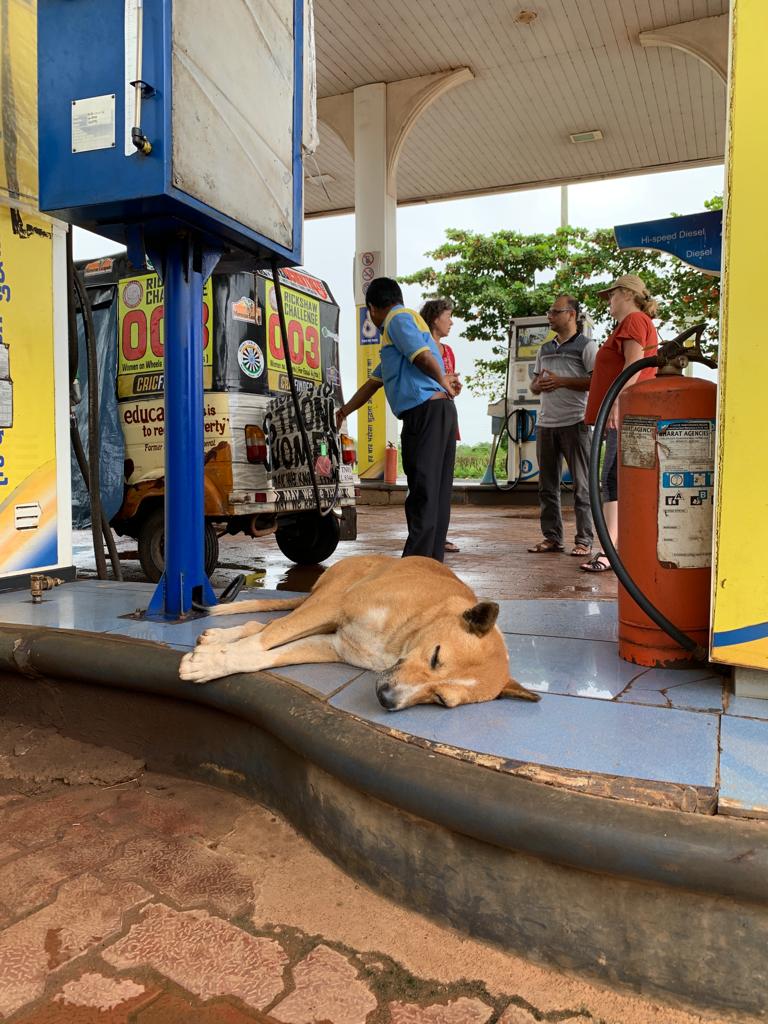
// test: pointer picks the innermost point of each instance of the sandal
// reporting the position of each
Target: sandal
(451, 547)
(546, 547)
(581, 551)
(596, 565)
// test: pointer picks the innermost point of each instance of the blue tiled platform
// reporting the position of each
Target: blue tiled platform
(598, 714)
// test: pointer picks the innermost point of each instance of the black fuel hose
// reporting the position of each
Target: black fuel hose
(94, 491)
(667, 353)
(77, 447)
(522, 434)
(294, 395)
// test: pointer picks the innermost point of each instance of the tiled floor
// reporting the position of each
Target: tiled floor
(598, 714)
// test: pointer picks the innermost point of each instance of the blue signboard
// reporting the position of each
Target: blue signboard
(696, 239)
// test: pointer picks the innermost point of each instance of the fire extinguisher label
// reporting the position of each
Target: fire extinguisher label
(638, 441)
(686, 451)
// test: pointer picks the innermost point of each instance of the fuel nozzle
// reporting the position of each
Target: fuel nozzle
(39, 583)
(674, 355)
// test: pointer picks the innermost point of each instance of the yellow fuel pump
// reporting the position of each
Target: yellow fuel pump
(35, 521)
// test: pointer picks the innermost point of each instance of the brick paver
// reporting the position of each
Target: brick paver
(204, 954)
(86, 910)
(188, 872)
(146, 903)
(327, 988)
(457, 1011)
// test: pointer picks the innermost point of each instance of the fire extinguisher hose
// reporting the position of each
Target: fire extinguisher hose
(653, 613)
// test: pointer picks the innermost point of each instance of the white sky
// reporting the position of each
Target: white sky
(329, 246)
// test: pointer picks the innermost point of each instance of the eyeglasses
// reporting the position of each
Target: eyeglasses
(553, 311)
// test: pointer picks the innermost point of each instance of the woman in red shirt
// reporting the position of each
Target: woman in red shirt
(633, 338)
(437, 314)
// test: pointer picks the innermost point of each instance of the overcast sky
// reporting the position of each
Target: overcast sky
(329, 246)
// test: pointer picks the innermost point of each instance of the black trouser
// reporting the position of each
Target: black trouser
(553, 444)
(428, 441)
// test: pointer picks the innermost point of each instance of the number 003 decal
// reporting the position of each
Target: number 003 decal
(302, 324)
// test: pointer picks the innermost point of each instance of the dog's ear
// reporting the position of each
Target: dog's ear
(513, 689)
(481, 618)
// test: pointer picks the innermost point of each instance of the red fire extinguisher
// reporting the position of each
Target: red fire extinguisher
(666, 499)
(665, 473)
(390, 464)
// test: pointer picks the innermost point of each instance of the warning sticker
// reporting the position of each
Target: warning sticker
(638, 441)
(686, 450)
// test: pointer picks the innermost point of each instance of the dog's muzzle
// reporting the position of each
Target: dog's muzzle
(386, 690)
(386, 694)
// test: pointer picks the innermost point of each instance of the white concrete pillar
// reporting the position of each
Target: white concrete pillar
(373, 122)
(375, 204)
(375, 234)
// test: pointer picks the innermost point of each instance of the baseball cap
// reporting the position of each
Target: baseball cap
(629, 281)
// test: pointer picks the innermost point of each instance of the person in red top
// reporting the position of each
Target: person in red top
(437, 314)
(633, 338)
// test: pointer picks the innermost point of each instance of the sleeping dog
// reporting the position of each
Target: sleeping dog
(411, 620)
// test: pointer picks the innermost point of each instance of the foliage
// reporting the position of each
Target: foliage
(493, 278)
(472, 461)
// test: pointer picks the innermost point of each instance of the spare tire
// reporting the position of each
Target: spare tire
(310, 538)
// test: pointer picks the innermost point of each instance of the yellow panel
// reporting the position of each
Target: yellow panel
(28, 488)
(18, 95)
(740, 580)
(372, 418)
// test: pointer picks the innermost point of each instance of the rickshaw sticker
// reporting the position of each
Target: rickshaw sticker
(250, 358)
(141, 334)
(133, 293)
(247, 310)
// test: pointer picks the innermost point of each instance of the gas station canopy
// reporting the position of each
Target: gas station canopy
(511, 83)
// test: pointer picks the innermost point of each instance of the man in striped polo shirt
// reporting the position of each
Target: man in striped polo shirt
(562, 375)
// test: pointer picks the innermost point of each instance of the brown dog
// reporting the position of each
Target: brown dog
(411, 620)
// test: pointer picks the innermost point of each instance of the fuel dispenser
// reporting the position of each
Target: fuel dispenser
(176, 127)
(35, 528)
(516, 414)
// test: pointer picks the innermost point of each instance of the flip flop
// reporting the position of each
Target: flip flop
(546, 547)
(580, 551)
(451, 547)
(596, 565)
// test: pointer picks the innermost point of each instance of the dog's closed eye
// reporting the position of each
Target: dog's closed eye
(435, 661)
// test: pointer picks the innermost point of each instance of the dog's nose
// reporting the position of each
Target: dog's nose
(385, 695)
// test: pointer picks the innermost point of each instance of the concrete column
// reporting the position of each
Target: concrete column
(374, 122)
(375, 200)
(375, 233)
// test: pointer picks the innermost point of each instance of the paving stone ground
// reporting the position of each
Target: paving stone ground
(128, 897)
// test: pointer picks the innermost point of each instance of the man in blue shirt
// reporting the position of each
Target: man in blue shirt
(420, 393)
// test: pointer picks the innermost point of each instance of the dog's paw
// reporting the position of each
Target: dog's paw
(200, 666)
(212, 636)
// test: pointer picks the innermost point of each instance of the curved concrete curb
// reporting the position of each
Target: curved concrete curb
(670, 903)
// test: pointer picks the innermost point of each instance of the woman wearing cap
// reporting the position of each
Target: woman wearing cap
(437, 314)
(633, 338)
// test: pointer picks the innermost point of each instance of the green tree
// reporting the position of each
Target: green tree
(493, 278)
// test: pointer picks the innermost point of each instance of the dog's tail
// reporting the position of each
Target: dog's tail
(266, 604)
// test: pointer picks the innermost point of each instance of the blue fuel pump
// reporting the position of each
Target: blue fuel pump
(175, 127)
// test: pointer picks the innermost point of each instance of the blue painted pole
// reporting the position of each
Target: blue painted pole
(184, 579)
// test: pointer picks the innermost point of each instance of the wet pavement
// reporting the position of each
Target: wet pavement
(493, 559)
(129, 896)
